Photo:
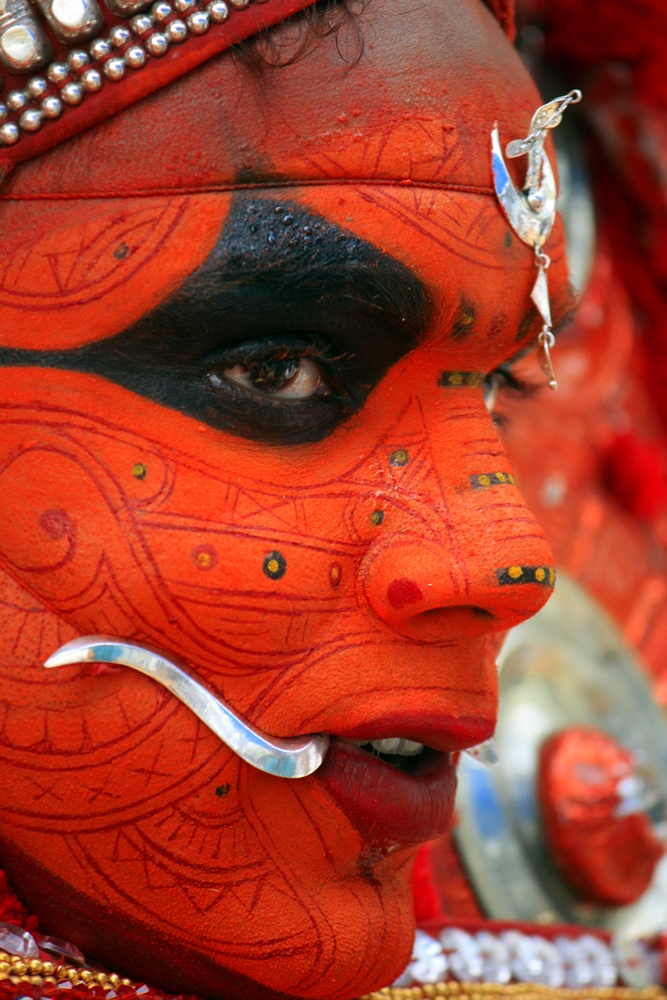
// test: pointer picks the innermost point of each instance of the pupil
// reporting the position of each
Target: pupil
(272, 374)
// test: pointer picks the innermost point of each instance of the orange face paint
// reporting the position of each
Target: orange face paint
(346, 584)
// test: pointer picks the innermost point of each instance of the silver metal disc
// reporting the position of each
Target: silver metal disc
(565, 667)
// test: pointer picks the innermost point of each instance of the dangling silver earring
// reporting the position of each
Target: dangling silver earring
(531, 211)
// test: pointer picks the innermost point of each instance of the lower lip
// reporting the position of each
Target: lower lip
(387, 806)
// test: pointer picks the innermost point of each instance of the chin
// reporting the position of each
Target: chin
(367, 931)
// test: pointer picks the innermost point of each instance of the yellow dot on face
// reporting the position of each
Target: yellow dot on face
(552, 576)
(272, 566)
(204, 559)
(456, 378)
(540, 574)
(484, 480)
(139, 470)
(515, 572)
(510, 479)
(474, 380)
(501, 477)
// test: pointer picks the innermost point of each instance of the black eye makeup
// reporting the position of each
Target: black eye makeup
(278, 337)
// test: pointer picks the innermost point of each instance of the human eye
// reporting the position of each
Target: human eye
(286, 389)
(503, 381)
(283, 375)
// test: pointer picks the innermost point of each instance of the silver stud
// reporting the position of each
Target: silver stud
(141, 24)
(17, 99)
(72, 93)
(3, 111)
(119, 36)
(114, 69)
(157, 44)
(184, 6)
(52, 107)
(99, 49)
(24, 46)
(57, 72)
(91, 80)
(177, 31)
(218, 10)
(31, 120)
(239, 4)
(72, 20)
(78, 60)
(135, 57)
(161, 10)
(9, 133)
(199, 22)
(37, 86)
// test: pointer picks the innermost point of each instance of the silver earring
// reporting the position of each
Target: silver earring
(531, 211)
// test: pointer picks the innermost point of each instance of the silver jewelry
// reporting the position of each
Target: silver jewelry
(531, 211)
(284, 758)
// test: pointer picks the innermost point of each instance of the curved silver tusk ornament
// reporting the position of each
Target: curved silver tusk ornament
(284, 758)
(485, 753)
(531, 211)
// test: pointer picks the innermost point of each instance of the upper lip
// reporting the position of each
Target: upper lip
(446, 733)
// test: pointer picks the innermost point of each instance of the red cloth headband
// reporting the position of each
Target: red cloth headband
(82, 61)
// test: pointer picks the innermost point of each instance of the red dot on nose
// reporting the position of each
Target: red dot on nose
(403, 592)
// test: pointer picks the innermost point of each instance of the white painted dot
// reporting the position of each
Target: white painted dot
(19, 44)
(69, 13)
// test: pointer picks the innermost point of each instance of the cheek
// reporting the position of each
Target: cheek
(74, 272)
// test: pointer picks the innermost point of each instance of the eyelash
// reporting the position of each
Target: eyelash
(504, 380)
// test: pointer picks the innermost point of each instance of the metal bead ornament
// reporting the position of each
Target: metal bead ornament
(531, 211)
(93, 62)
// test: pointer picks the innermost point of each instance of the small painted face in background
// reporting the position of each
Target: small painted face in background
(246, 329)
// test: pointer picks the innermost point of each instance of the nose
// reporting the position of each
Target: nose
(420, 588)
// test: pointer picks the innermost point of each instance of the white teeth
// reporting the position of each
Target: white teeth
(387, 746)
(396, 745)
(485, 753)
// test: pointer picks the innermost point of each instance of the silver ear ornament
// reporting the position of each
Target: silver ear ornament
(531, 211)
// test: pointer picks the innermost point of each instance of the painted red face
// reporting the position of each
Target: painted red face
(245, 331)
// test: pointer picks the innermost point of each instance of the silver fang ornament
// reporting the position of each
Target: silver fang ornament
(285, 758)
(485, 753)
(531, 212)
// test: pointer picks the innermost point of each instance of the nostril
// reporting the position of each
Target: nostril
(456, 610)
(402, 593)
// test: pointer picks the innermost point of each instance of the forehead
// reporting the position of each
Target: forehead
(393, 147)
(417, 105)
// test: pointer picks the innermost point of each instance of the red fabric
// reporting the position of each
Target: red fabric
(636, 472)
(616, 52)
(427, 901)
(12, 910)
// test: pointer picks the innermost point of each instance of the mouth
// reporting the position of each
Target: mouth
(395, 791)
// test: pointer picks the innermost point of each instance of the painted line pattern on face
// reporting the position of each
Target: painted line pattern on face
(545, 576)
(483, 480)
(461, 380)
